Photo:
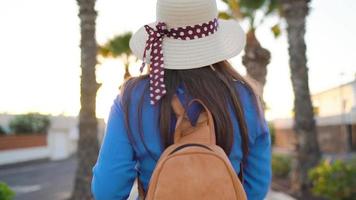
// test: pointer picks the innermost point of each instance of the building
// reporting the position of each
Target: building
(335, 115)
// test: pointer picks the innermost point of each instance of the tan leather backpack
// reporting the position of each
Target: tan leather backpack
(194, 167)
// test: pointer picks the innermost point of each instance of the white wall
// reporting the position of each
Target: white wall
(23, 155)
(336, 101)
(62, 140)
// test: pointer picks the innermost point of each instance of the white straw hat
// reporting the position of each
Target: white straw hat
(225, 43)
(186, 35)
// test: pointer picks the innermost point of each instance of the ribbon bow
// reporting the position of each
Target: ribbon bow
(154, 48)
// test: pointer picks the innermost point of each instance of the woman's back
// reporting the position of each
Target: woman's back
(125, 155)
(185, 49)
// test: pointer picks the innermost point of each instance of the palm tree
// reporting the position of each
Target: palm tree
(256, 58)
(307, 149)
(119, 47)
(88, 129)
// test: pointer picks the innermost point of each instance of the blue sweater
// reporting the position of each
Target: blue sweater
(120, 162)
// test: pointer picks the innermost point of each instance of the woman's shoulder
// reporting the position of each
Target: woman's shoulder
(252, 107)
(245, 91)
(133, 90)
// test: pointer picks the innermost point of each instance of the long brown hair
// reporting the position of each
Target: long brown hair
(213, 85)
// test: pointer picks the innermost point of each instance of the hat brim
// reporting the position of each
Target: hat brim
(224, 44)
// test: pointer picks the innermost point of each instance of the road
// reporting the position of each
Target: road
(53, 180)
(40, 180)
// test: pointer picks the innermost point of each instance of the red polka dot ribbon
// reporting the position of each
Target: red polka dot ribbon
(154, 50)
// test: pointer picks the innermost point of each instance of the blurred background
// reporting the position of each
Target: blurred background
(62, 63)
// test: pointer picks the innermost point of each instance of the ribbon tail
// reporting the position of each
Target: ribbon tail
(143, 61)
(142, 66)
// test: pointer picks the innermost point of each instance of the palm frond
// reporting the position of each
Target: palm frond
(117, 46)
(252, 4)
(224, 15)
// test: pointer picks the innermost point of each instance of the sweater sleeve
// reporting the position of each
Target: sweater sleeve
(114, 172)
(257, 169)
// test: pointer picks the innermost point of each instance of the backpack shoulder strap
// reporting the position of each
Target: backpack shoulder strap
(185, 131)
(177, 106)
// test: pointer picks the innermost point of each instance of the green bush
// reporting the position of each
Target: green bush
(2, 131)
(30, 123)
(281, 165)
(334, 181)
(5, 192)
(272, 132)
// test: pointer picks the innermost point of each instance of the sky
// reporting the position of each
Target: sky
(40, 55)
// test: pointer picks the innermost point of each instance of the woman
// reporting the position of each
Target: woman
(186, 50)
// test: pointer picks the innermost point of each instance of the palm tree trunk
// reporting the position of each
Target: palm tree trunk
(256, 59)
(307, 149)
(127, 74)
(88, 129)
